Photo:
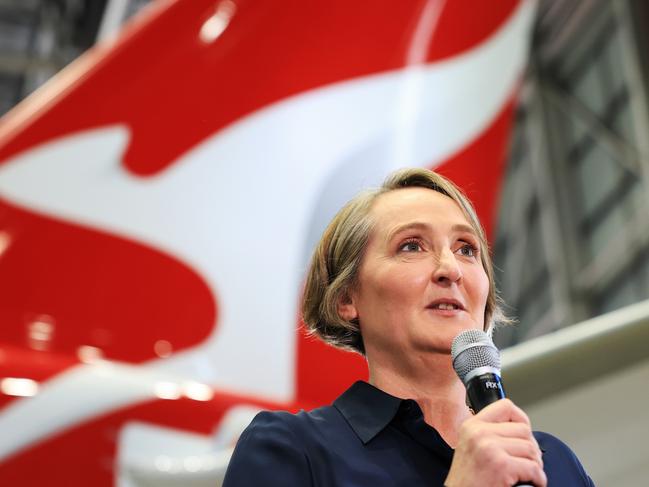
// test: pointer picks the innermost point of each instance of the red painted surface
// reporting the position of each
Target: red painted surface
(101, 290)
(37, 365)
(185, 90)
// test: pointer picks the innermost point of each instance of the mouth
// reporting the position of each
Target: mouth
(446, 305)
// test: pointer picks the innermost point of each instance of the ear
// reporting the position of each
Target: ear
(346, 307)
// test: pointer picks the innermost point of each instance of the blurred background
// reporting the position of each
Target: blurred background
(576, 192)
(569, 229)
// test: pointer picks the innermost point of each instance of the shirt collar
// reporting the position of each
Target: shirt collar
(368, 410)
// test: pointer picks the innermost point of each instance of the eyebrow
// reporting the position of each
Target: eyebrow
(462, 227)
(458, 227)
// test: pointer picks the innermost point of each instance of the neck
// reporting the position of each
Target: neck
(436, 388)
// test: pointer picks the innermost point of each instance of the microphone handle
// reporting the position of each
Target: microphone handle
(484, 389)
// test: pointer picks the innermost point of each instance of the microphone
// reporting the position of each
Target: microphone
(476, 361)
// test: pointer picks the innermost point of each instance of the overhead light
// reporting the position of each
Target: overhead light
(217, 23)
(192, 464)
(14, 386)
(167, 390)
(40, 332)
(89, 355)
(5, 240)
(162, 348)
(198, 391)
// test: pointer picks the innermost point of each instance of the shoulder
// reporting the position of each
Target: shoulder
(268, 449)
(561, 465)
(298, 426)
(268, 425)
(275, 446)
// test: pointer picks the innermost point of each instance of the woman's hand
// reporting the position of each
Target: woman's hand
(496, 448)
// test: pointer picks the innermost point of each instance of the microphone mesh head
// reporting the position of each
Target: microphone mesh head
(472, 349)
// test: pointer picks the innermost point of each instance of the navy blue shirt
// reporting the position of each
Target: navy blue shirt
(366, 438)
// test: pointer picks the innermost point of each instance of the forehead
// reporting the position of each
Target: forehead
(422, 204)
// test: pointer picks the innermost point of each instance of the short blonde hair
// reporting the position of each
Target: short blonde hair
(334, 268)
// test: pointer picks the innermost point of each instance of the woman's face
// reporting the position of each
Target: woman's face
(421, 281)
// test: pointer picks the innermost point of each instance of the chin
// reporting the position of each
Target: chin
(440, 344)
(444, 336)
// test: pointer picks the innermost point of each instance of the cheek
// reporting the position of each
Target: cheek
(479, 287)
(392, 287)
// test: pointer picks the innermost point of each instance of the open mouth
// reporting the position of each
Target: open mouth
(446, 305)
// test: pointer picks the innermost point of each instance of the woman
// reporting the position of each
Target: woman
(399, 272)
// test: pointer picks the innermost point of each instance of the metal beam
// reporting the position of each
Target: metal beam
(546, 366)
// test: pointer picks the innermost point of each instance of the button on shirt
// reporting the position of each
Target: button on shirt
(366, 438)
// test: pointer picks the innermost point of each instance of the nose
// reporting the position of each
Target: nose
(447, 269)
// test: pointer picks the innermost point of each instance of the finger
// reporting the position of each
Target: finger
(518, 448)
(527, 471)
(519, 431)
(501, 411)
(509, 430)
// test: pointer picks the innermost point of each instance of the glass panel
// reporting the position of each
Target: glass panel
(622, 124)
(598, 175)
(642, 287)
(618, 296)
(9, 87)
(636, 200)
(629, 288)
(611, 68)
(15, 34)
(611, 226)
(589, 90)
(534, 260)
(535, 308)
(576, 129)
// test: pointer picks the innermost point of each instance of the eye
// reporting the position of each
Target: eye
(468, 250)
(411, 245)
